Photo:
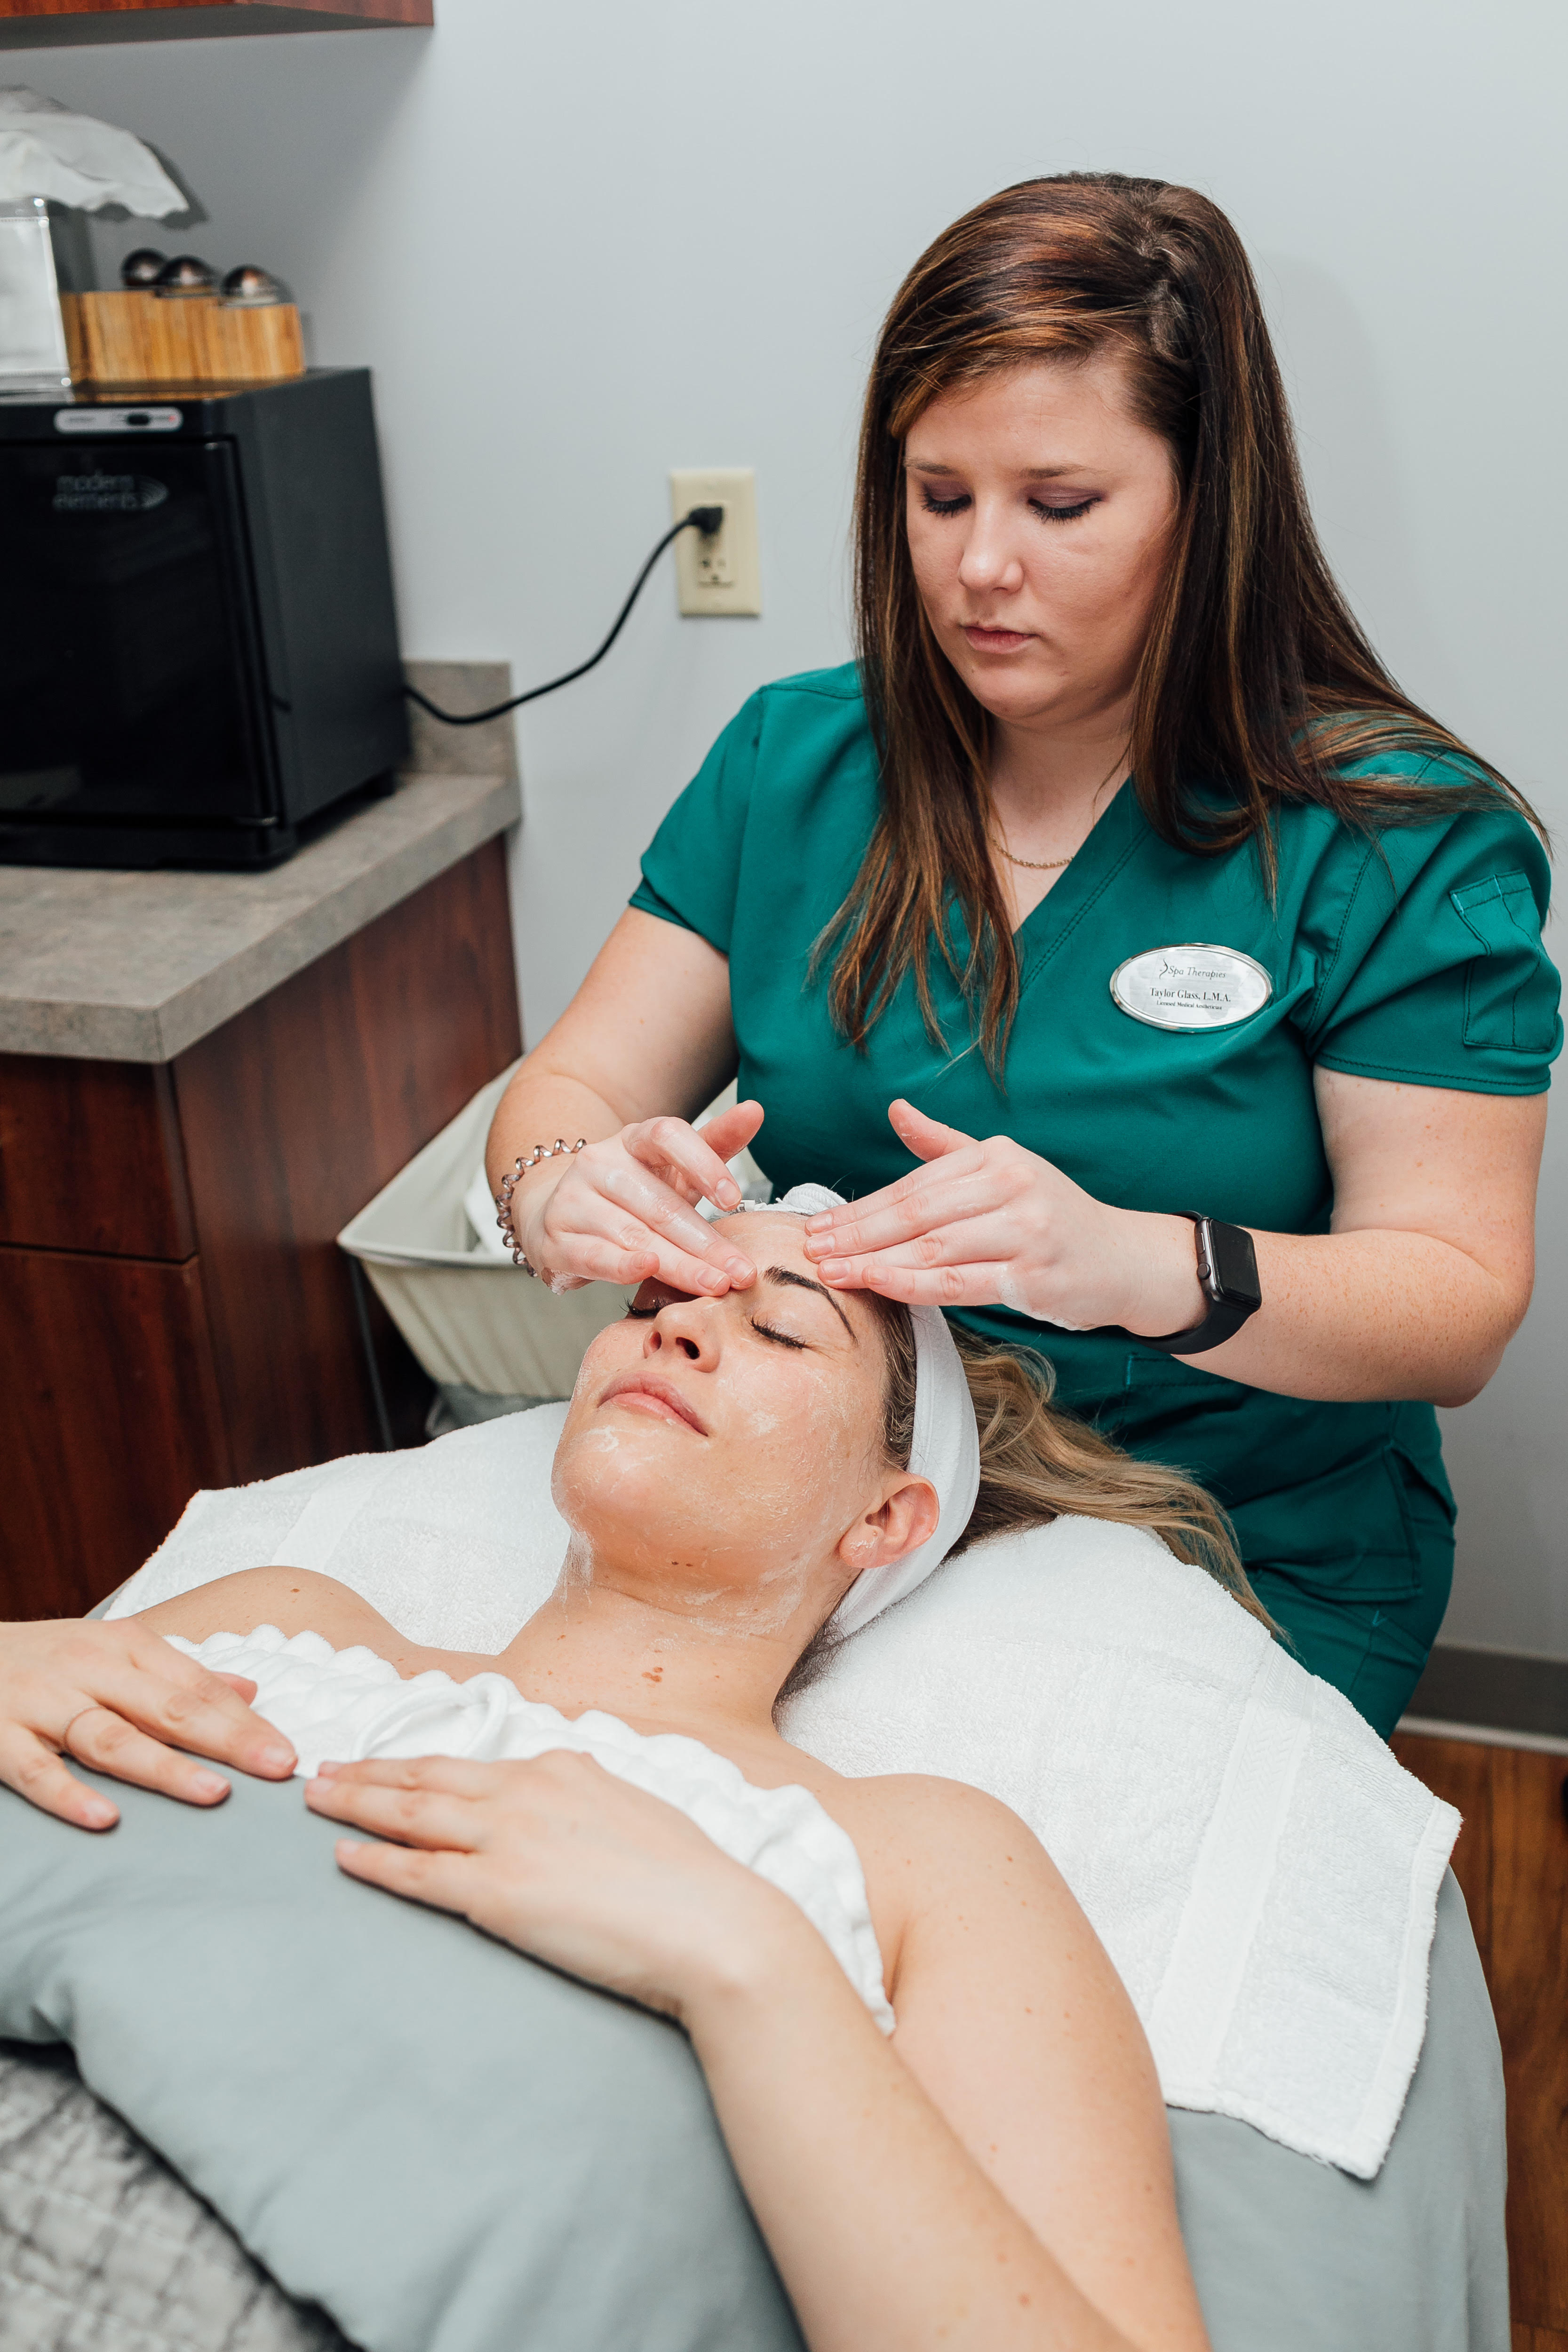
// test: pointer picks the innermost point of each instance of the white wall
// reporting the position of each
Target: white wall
(579, 244)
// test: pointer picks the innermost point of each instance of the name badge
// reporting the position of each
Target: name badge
(1190, 987)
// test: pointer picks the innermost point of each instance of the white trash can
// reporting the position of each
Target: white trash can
(429, 1245)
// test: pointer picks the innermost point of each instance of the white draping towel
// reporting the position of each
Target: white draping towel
(348, 1705)
(1262, 1871)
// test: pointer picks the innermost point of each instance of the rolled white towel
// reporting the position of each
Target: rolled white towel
(344, 1706)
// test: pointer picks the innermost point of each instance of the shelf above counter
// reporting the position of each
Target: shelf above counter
(62, 24)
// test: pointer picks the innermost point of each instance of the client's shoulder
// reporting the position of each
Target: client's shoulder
(295, 1599)
(939, 1832)
(962, 1891)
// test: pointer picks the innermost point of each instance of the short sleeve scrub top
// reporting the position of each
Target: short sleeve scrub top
(1413, 956)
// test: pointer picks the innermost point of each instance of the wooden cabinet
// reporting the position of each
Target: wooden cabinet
(1512, 1861)
(175, 1312)
(39, 24)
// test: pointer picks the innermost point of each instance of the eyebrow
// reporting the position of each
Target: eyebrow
(783, 1273)
(1023, 473)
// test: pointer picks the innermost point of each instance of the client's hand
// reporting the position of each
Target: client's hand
(623, 1209)
(562, 1859)
(119, 1698)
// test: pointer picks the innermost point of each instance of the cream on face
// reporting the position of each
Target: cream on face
(723, 1446)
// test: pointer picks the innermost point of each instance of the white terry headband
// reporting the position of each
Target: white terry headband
(946, 1447)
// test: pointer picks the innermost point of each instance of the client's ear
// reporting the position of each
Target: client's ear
(901, 1523)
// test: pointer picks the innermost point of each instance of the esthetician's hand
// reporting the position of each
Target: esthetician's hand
(120, 1699)
(565, 1861)
(622, 1210)
(990, 1224)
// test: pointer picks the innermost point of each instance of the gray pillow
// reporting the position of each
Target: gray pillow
(447, 2146)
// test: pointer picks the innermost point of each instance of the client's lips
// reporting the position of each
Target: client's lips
(661, 1394)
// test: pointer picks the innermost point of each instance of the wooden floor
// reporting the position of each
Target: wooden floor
(1512, 1862)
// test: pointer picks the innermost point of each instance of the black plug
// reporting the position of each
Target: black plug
(709, 520)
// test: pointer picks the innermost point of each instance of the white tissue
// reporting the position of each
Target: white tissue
(46, 151)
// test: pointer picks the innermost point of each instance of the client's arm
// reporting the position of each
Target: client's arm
(996, 2179)
(119, 1699)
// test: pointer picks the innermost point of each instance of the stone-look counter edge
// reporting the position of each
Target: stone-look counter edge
(135, 967)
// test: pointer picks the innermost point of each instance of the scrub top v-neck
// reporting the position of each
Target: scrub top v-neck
(1413, 955)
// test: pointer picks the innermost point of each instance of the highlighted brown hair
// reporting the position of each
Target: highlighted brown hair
(1255, 678)
(1038, 1463)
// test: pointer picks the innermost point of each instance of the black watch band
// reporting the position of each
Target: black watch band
(1228, 1271)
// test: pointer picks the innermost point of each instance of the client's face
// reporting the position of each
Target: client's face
(730, 1449)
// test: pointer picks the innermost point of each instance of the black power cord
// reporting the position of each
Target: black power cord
(706, 520)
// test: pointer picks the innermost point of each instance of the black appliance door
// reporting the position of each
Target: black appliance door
(131, 684)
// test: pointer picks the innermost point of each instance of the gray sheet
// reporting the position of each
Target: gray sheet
(607, 2217)
(103, 2248)
(1292, 2256)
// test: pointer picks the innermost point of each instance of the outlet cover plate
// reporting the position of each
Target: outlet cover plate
(722, 574)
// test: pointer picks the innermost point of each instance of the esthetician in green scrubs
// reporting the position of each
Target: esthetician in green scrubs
(1116, 886)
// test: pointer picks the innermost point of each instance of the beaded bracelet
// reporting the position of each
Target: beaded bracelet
(503, 1198)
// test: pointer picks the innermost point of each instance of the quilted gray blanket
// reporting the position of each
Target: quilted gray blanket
(104, 2249)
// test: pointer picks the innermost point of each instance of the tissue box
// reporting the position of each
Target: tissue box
(32, 348)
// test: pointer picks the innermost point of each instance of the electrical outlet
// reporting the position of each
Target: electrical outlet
(719, 574)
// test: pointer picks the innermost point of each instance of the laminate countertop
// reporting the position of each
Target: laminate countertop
(135, 967)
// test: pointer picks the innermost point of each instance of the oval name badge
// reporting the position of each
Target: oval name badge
(1190, 987)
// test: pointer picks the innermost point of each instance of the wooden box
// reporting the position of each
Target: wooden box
(139, 338)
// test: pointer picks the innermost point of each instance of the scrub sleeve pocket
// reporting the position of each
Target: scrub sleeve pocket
(1439, 976)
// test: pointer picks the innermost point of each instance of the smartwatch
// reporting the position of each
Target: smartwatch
(1228, 1270)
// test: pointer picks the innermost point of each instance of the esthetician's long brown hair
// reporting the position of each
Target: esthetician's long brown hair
(1255, 675)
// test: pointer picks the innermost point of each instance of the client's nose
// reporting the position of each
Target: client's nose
(687, 1327)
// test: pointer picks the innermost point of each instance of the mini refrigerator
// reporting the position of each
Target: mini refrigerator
(198, 644)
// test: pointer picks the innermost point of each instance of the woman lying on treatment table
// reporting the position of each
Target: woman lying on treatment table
(997, 2172)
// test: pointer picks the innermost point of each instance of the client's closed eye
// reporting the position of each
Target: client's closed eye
(645, 1313)
(784, 1338)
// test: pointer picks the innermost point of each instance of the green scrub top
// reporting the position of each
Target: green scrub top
(1413, 956)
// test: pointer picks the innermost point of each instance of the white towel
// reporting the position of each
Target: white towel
(1260, 1869)
(349, 1704)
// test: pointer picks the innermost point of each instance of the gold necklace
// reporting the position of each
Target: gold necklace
(1035, 864)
